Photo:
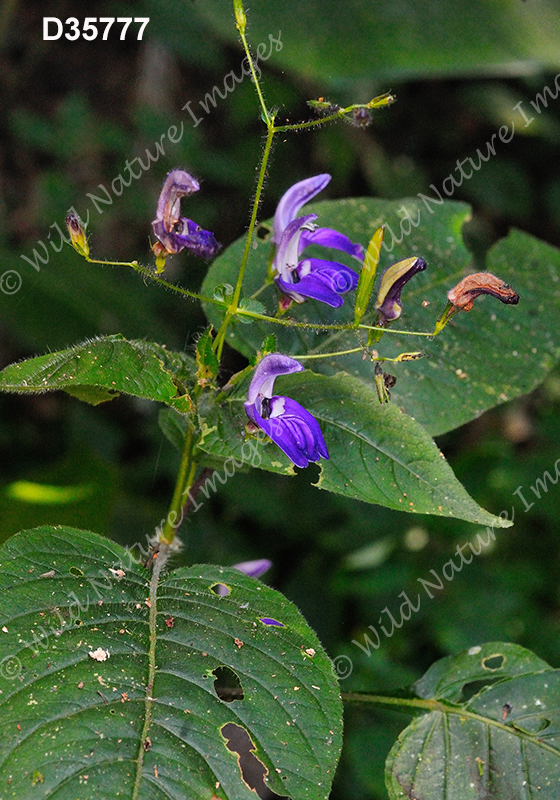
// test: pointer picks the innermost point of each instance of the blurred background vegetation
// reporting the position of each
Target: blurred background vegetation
(74, 112)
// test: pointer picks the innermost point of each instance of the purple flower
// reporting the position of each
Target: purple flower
(312, 277)
(174, 232)
(254, 569)
(289, 425)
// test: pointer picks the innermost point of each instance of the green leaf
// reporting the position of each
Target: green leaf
(174, 426)
(493, 731)
(206, 359)
(248, 304)
(377, 453)
(387, 40)
(94, 395)
(114, 688)
(485, 357)
(100, 368)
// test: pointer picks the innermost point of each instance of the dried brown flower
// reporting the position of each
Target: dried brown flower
(465, 293)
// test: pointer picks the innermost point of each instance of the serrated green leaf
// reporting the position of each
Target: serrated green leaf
(499, 738)
(377, 453)
(248, 304)
(206, 359)
(108, 364)
(82, 631)
(485, 357)
(269, 345)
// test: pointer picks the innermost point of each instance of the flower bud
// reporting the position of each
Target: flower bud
(284, 303)
(394, 278)
(240, 17)
(361, 117)
(77, 233)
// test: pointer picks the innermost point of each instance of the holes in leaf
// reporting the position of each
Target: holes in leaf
(474, 687)
(263, 232)
(270, 621)
(494, 662)
(227, 685)
(220, 589)
(76, 571)
(253, 771)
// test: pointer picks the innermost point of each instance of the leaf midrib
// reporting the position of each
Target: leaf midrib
(436, 706)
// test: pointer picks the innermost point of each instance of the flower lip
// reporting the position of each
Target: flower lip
(177, 233)
(320, 280)
(465, 293)
(186, 234)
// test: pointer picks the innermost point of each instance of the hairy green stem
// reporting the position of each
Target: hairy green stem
(313, 123)
(185, 477)
(159, 564)
(233, 307)
(397, 359)
(266, 115)
(347, 326)
(147, 273)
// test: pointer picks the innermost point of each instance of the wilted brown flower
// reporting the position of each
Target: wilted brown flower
(462, 296)
(465, 293)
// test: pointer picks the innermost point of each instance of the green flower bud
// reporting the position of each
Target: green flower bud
(77, 233)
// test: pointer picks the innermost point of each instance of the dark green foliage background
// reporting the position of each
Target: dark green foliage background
(72, 115)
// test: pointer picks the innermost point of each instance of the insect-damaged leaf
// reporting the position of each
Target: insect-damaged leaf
(88, 703)
(494, 730)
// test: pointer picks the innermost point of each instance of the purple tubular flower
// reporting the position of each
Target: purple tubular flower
(314, 278)
(174, 232)
(287, 423)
